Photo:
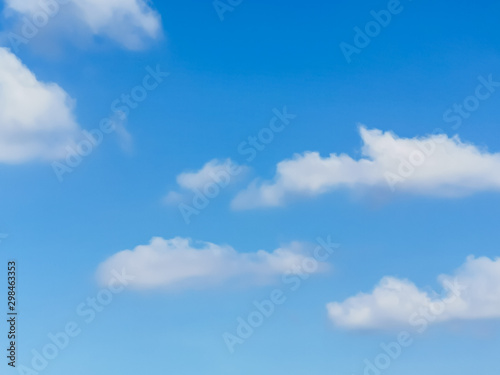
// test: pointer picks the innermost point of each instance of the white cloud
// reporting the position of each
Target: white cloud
(432, 165)
(129, 22)
(178, 263)
(208, 173)
(219, 172)
(472, 292)
(36, 119)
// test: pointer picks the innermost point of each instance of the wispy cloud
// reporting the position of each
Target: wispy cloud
(219, 173)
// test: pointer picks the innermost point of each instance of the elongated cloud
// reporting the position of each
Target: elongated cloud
(472, 292)
(179, 263)
(431, 165)
(36, 118)
(129, 22)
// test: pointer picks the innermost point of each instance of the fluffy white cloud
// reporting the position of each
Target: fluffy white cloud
(432, 165)
(129, 22)
(36, 119)
(472, 292)
(178, 263)
(219, 172)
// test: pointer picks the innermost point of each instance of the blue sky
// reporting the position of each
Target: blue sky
(226, 81)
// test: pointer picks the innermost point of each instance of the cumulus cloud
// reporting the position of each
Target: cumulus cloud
(431, 165)
(180, 263)
(216, 172)
(36, 118)
(129, 22)
(472, 292)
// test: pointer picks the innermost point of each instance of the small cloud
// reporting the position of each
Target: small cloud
(222, 173)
